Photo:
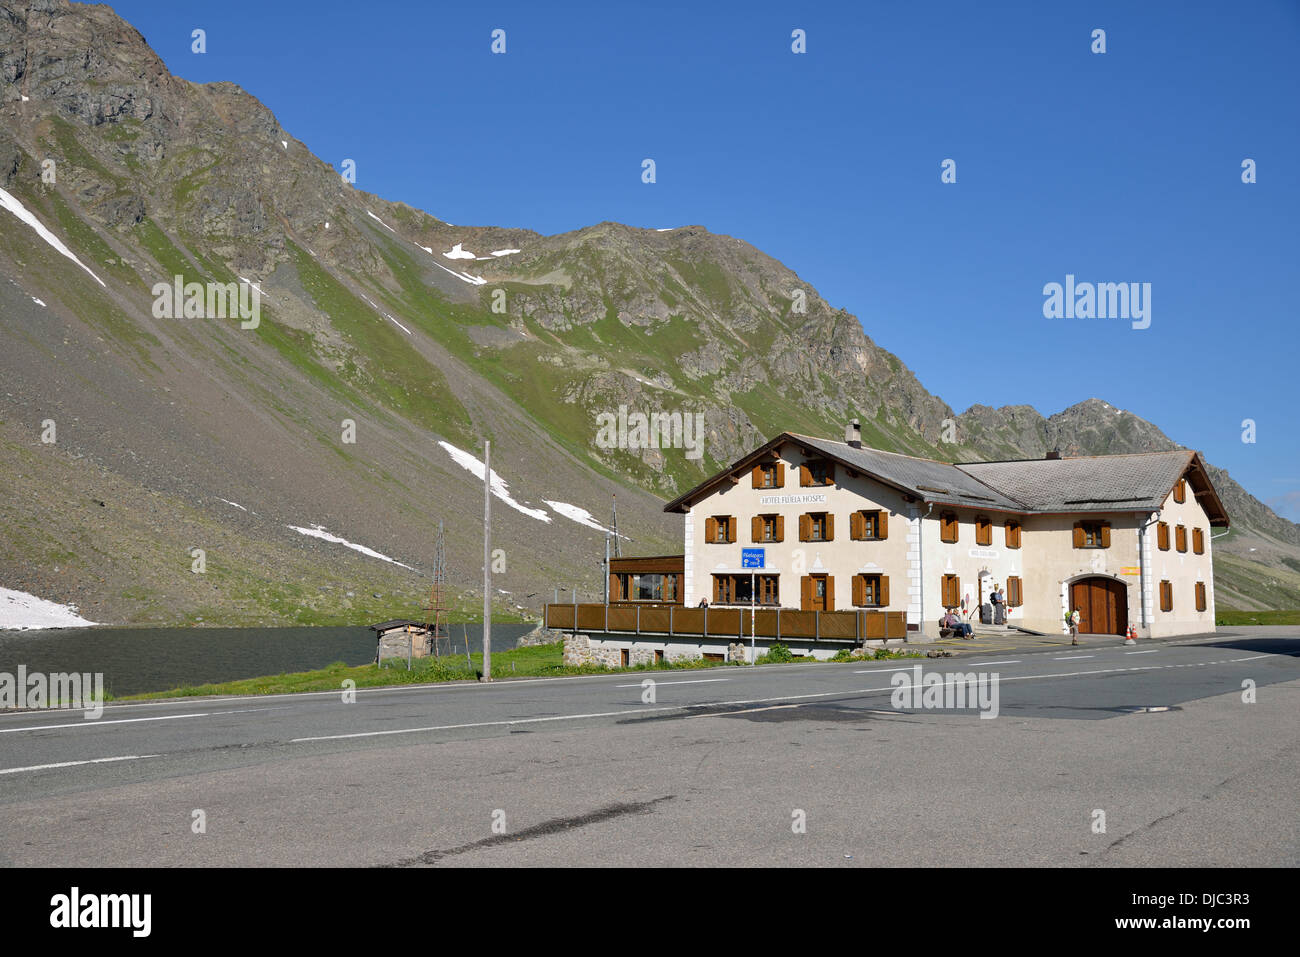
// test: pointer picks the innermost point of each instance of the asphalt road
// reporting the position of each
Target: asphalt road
(722, 768)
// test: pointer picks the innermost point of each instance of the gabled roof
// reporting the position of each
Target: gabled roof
(1136, 482)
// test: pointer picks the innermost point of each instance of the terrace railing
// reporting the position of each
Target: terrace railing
(783, 624)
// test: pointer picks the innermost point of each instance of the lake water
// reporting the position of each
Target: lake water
(133, 660)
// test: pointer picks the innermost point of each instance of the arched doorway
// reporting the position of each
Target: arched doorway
(1102, 604)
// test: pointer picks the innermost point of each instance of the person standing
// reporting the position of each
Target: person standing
(1074, 618)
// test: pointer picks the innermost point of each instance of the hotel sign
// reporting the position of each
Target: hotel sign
(806, 498)
(984, 553)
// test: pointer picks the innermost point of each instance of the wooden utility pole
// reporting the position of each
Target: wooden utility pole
(487, 561)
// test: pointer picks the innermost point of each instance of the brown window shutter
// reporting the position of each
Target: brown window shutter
(805, 475)
(830, 527)
(882, 599)
(805, 527)
(805, 592)
(1162, 537)
(1198, 541)
(1078, 535)
(859, 589)
(1180, 538)
(756, 528)
(711, 529)
(716, 581)
(857, 529)
(830, 473)
(830, 592)
(731, 528)
(1105, 534)
(780, 475)
(1201, 603)
(882, 523)
(780, 528)
(756, 476)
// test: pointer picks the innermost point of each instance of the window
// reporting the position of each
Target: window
(767, 528)
(871, 591)
(730, 589)
(654, 587)
(817, 592)
(769, 475)
(816, 472)
(1091, 535)
(1015, 592)
(948, 527)
(951, 591)
(720, 529)
(1013, 534)
(1180, 538)
(1200, 596)
(1198, 541)
(868, 525)
(1162, 536)
(1180, 491)
(816, 527)
(983, 531)
(1166, 596)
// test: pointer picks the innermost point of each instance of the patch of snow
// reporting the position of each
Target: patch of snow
(380, 221)
(463, 276)
(327, 225)
(255, 286)
(668, 230)
(25, 98)
(284, 143)
(504, 252)
(427, 249)
(579, 515)
(499, 488)
(384, 314)
(12, 204)
(37, 301)
(236, 504)
(318, 531)
(458, 252)
(21, 611)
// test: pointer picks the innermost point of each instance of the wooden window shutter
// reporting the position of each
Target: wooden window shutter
(830, 527)
(1198, 541)
(780, 528)
(717, 582)
(1180, 538)
(1200, 596)
(711, 529)
(731, 528)
(830, 592)
(805, 592)
(757, 477)
(1105, 534)
(882, 524)
(1162, 536)
(859, 589)
(1078, 535)
(756, 528)
(805, 527)
(856, 527)
(805, 474)
(882, 595)
(1166, 596)
(1180, 491)
(983, 531)
(780, 475)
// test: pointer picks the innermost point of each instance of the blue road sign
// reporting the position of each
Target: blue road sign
(751, 558)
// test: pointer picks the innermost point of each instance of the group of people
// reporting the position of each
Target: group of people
(954, 622)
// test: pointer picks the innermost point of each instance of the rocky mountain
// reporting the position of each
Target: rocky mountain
(388, 346)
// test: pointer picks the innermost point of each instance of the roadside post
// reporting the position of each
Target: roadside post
(752, 558)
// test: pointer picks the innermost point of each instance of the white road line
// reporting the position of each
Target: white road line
(692, 681)
(725, 704)
(92, 723)
(1150, 651)
(73, 764)
(1074, 658)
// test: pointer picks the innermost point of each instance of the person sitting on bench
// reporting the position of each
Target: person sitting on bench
(955, 625)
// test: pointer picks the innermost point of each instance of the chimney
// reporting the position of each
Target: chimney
(853, 434)
(1054, 454)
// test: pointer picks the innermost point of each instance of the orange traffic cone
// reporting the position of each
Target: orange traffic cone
(1131, 637)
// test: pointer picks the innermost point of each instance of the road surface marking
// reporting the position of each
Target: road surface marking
(692, 681)
(72, 764)
(94, 723)
(726, 704)
(1074, 658)
(1151, 651)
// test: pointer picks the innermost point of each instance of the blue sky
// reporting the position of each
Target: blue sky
(1115, 167)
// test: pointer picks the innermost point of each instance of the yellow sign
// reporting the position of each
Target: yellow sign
(1130, 570)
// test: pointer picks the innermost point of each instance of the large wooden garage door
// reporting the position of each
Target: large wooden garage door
(1102, 605)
